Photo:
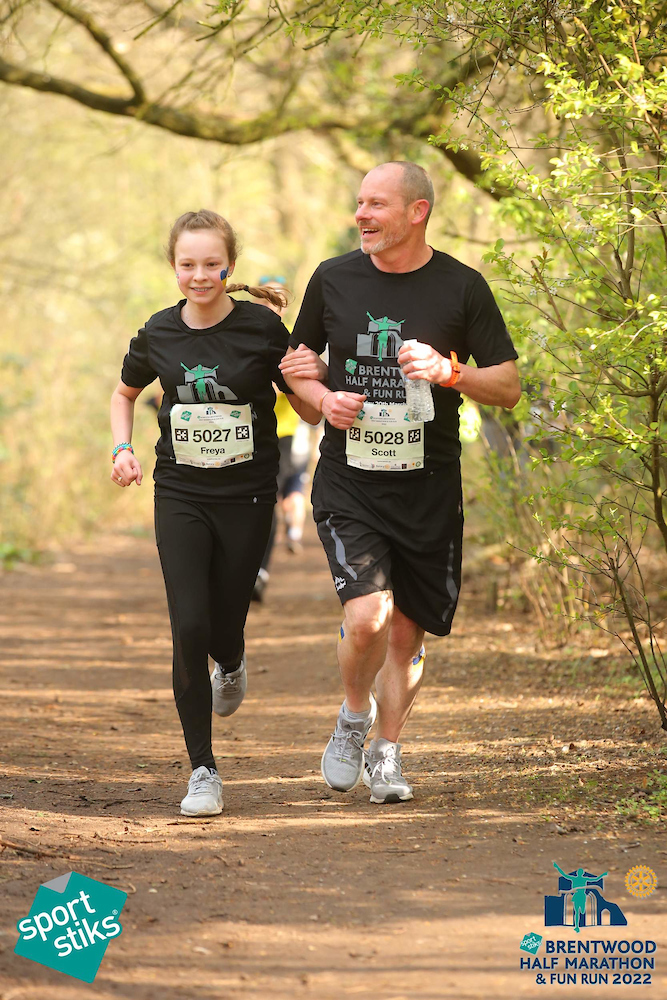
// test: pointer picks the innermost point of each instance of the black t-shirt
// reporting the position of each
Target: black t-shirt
(364, 315)
(234, 361)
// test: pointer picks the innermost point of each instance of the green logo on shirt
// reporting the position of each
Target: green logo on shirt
(201, 386)
(382, 338)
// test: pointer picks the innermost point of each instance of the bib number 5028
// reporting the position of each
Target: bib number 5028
(216, 434)
(383, 437)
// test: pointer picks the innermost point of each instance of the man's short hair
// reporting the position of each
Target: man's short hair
(417, 185)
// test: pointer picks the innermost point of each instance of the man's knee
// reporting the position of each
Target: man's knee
(369, 616)
(405, 633)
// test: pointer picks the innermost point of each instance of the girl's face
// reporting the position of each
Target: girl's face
(202, 266)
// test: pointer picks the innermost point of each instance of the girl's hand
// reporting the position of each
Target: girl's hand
(126, 469)
(304, 363)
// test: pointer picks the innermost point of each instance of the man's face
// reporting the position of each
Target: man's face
(382, 216)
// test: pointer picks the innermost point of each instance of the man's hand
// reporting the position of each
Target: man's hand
(304, 363)
(126, 469)
(421, 361)
(341, 408)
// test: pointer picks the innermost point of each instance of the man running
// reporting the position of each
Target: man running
(387, 491)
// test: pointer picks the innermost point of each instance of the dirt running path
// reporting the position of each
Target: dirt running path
(297, 891)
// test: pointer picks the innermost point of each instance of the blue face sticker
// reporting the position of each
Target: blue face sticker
(224, 273)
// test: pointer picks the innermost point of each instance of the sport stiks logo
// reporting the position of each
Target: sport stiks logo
(70, 924)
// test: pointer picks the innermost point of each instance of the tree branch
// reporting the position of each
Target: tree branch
(212, 128)
(55, 85)
(275, 121)
(470, 166)
(105, 43)
(164, 15)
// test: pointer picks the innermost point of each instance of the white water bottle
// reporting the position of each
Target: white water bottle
(418, 396)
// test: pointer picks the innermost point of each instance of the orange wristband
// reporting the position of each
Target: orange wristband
(456, 372)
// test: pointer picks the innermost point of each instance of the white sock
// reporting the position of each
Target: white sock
(355, 716)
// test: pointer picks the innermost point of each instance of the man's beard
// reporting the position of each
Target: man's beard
(387, 241)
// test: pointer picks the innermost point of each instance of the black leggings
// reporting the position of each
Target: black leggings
(210, 554)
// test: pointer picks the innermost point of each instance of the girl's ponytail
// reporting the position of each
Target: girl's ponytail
(278, 297)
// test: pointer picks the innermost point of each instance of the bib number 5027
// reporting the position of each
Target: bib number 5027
(216, 434)
(211, 435)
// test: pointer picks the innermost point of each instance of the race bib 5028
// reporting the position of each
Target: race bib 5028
(383, 438)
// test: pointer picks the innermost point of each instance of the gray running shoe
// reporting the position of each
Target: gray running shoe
(260, 585)
(343, 757)
(228, 689)
(204, 796)
(382, 773)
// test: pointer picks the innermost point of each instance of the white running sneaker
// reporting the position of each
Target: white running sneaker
(204, 796)
(228, 689)
(382, 773)
(343, 758)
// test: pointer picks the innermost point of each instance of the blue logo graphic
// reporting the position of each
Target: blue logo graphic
(531, 943)
(580, 902)
(70, 924)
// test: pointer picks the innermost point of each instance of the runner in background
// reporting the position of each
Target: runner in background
(215, 477)
(296, 448)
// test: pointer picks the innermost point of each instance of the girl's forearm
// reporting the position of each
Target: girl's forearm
(122, 418)
(306, 411)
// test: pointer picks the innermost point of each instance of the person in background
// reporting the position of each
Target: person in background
(294, 442)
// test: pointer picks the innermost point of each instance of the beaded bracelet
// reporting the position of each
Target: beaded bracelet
(123, 446)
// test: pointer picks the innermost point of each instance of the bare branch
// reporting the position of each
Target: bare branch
(56, 85)
(164, 15)
(212, 128)
(105, 43)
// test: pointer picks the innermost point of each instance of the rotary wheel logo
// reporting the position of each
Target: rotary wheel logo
(641, 881)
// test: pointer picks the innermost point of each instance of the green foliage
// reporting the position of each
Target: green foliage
(596, 291)
(650, 804)
(569, 122)
(11, 554)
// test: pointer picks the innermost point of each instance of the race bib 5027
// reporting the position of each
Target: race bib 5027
(211, 435)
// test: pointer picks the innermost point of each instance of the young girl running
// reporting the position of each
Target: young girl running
(215, 476)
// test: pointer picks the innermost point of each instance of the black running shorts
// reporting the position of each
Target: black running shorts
(405, 537)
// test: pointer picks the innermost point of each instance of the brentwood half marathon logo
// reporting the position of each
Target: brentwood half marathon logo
(70, 924)
(580, 905)
(375, 371)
